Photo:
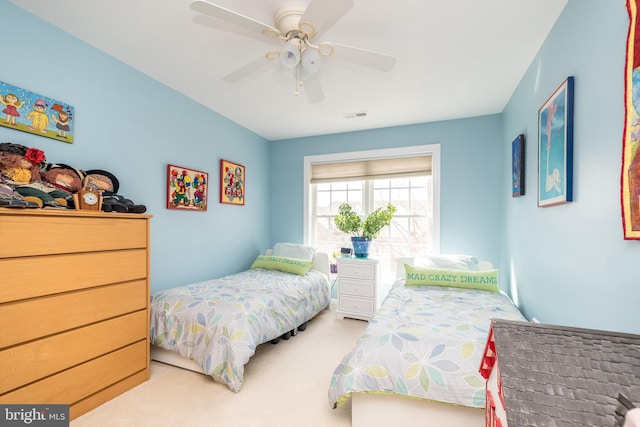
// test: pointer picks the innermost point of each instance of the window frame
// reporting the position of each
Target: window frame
(432, 149)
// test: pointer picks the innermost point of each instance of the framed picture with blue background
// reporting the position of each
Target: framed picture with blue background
(517, 166)
(555, 147)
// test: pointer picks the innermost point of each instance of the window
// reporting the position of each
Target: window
(365, 181)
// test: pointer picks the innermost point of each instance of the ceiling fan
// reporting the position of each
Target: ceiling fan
(296, 26)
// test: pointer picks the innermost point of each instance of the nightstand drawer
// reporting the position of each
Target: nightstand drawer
(357, 270)
(356, 305)
(356, 287)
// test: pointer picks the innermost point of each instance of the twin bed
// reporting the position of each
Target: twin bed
(214, 327)
(416, 363)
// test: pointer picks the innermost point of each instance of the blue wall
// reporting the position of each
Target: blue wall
(133, 126)
(470, 178)
(570, 263)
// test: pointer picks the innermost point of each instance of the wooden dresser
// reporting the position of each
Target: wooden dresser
(74, 306)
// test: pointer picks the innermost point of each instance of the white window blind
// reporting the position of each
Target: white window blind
(395, 167)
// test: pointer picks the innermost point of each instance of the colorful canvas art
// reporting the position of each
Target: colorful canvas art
(187, 189)
(34, 113)
(630, 174)
(555, 147)
(232, 183)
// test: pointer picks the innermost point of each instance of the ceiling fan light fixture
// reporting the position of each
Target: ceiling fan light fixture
(290, 56)
(311, 60)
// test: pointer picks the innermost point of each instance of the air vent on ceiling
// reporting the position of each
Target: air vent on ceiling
(355, 115)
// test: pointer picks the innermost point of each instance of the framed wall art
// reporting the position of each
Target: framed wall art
(187, 189)
(517, 166)
(630, 173)
(232, 183)
(555, 147)
(34, 113)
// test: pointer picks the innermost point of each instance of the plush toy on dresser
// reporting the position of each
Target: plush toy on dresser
(97, 179)
(63, 177)
(20, 167)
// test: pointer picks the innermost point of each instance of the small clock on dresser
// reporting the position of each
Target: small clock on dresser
(88, 199)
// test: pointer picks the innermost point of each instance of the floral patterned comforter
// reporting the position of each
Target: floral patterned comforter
(425, 342)
(218, 323)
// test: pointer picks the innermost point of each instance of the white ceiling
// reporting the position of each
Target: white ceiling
(455, 59)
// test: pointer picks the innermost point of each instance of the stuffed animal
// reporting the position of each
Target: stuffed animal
(20, 167)
(97, 179)
(63, 177)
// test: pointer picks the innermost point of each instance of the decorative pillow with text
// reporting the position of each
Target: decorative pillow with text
(486, 280)
(288, 265)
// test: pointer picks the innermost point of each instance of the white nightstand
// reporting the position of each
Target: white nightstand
(359, 290)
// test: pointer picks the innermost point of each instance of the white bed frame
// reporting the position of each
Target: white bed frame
(159, 354)
(383, 410)
(380, 410)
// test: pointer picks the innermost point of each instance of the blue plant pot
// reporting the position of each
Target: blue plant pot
(360, 246)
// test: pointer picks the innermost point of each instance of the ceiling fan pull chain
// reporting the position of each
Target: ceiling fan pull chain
(296, 92)
(299, 75)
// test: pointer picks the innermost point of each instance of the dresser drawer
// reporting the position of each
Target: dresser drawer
(71, 232)
(38, 317)
(355, 305)
(357, 270)
(47, 356)
(81, 381)
(24, 278)
(356, 287)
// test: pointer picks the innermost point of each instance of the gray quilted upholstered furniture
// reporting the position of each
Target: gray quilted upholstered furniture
(563, 376)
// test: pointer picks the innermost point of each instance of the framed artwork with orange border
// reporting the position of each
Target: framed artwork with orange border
(630, 171)
(232, 183)
(187, 189)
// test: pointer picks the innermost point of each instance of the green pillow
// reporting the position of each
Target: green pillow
(486, 280)
(288, 265)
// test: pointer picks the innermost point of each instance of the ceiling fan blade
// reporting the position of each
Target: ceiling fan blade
(313, 89)
(322, 14)
(367, 58)
(217, 24)
(247, 69)
(227, 15)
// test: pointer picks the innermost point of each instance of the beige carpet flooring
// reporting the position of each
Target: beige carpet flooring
(285, 385)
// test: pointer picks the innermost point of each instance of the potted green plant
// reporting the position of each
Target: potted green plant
(363, 231)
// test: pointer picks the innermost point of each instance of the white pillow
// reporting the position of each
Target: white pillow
(448, 261)
(294, 250)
